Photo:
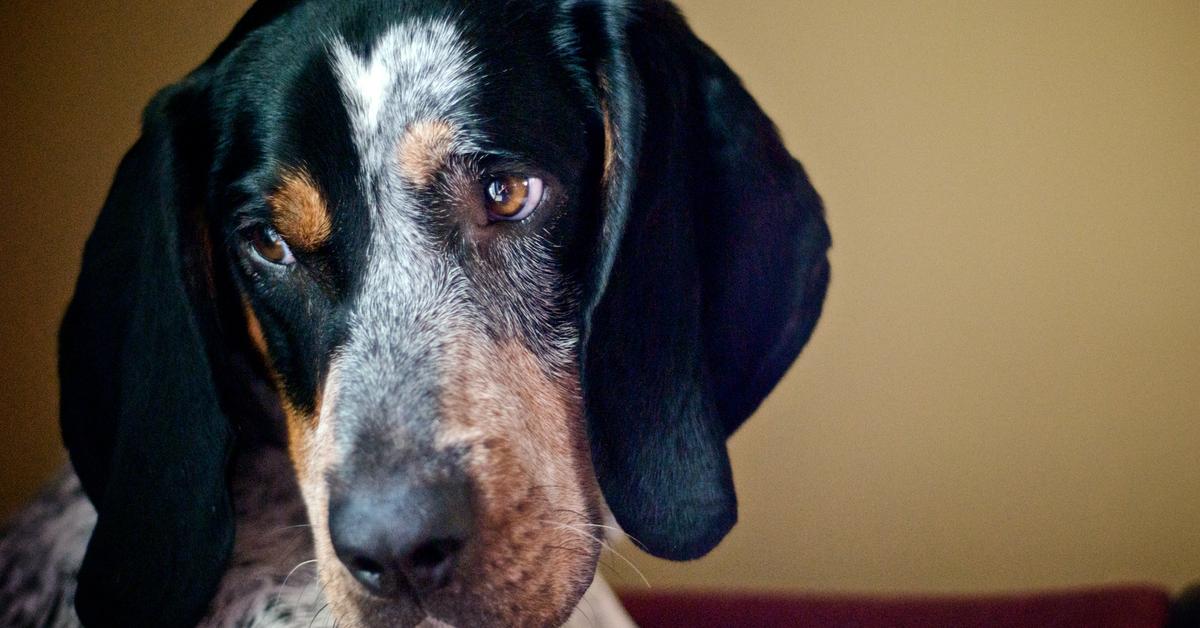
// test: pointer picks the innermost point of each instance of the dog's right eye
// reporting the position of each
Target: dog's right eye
(511, 198)
(269, 246)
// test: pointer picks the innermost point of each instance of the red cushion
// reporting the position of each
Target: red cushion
(1107, 607)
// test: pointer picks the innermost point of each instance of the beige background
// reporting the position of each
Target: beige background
(1005, 389)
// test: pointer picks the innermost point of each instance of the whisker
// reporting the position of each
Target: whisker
(320, 593)
(573, 550)
(605, 545)
(603, 527)
(632, 566)
(283, 529)
(571, 512)
(608, 567)
(570, 528)
(317, 614)
(615, 530)
(589, 613)
(307, 562)
(302, 590)
(600, 525)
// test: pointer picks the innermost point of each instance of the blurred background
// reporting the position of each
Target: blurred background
(1004, 391)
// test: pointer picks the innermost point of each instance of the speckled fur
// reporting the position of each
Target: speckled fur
(40, 552)
(269, 581)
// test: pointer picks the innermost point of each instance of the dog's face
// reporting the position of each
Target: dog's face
(497, 263)
(402, 239)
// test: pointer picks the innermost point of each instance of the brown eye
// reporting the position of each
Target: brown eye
(512, 197)
(269, 245)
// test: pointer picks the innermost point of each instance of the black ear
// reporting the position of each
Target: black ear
(710, 277)
(140, 411)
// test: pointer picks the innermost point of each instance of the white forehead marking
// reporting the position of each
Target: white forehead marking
(417, 70)
(368, 84)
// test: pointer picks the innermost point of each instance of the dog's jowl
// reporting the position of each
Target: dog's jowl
(434, 286)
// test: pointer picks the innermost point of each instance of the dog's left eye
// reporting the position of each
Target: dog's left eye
(269, 246)
(511, 197)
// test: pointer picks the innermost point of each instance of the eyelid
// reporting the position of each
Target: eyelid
(495, 163)
(500, 160)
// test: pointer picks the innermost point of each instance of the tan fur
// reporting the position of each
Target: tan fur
(536, 496)
(298, 422)
(300, 213)
(610, 131)
(425, 148)
(255, 332)
(610, 145)
(533, 474)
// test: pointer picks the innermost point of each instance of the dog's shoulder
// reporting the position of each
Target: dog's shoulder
(271, 579)
(40, 552)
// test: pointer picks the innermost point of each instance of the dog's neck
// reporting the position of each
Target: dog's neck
(272, 575)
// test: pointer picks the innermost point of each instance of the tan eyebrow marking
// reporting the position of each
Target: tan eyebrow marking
(610, 146)
(424, 149)
(301, 215)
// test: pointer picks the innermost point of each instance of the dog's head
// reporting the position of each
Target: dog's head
(491, 261)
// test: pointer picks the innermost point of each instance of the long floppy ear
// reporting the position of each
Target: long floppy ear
(140, 411)
(710, 278)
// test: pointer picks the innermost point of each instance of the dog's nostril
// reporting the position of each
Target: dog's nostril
(368, 572)
(432, 563)
(434, 553)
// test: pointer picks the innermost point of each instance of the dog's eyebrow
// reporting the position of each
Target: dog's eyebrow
(299, 211)
(424, 149)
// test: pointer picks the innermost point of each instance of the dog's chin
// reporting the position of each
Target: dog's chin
(463, 604)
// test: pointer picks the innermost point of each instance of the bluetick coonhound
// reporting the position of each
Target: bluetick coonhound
(486, 270)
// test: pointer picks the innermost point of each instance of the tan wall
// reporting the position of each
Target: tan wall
(1005, 389)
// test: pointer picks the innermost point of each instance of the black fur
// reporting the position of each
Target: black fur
(140, 411)
(700, 261)
(717, 243)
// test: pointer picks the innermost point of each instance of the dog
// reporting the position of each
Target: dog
(487, 271)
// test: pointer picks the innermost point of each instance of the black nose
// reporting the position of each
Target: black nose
(403, 536)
